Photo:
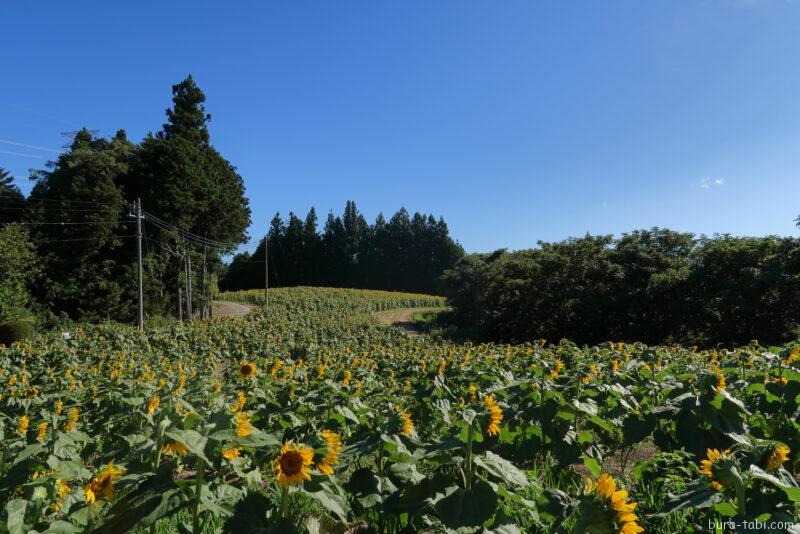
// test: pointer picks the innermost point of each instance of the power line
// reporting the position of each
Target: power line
(71, 223)
(186, 235)
(25, 145)
(15, 198)
(82, 239)
(69, 209)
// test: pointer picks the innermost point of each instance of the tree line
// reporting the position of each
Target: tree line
(656, 286)
(79, 222)
(405, 253)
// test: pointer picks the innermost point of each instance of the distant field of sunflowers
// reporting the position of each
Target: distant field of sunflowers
(312, 417)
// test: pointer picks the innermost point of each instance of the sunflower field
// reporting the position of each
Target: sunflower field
(312, 417)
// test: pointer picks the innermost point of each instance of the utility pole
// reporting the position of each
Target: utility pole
(139, 261)
(204, 307)
(188, 288)
(266, 272)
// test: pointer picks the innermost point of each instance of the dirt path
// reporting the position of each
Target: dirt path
(223, 308)
(403, 319)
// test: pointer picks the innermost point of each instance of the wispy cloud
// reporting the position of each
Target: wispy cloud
(708, 183)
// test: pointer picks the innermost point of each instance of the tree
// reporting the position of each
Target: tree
(88, 262)
(18, 269)
(182, 179)
(12, 202)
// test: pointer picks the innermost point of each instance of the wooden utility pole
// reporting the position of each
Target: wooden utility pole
(139, 262)
(204, 307)
(178, 282)
(188, 288)
(266, 272)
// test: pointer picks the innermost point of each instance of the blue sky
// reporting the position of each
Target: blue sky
(516, 121)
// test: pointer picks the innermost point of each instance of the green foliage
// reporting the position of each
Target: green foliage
(405, 254)
(12, 201)
(651, 285)
(18, 269)
(416, 447)
(15, 330)
(88, 263)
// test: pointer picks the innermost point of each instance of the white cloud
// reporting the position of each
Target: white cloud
(707, 183)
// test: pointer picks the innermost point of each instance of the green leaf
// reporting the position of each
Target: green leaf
(467, 508)
(15, 510)
(502, 469)
(194, 441)
(325, 490)
(592, 465)
(249, 515)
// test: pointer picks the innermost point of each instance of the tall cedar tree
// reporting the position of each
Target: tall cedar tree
(403, 254)
(181, 178)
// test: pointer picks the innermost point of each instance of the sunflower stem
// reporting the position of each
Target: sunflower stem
(468, 459)
(284, 501)
(201, 469)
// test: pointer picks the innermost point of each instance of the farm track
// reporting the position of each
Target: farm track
(224, 308)
(403, 319)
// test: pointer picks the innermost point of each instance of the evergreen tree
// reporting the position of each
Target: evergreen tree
(183, 180)
(12, 202)
(88, 263)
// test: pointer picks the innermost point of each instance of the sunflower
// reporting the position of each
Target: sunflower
(777, 457)
(247, 370)
(174, 449)
(331, 458)
(230, 454)
(22, 427)
(243, 426)
(293, 464)
(707, 465)
(103, 483)
(59, 407)
(615, 501)
(152, 406)
(42, 428)
(407, 423)
(73, 419)
(31, 393)
(720, 387)
(495, 415)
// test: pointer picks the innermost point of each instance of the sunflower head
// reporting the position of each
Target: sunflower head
(230, 454)
(102, 485)
(293, 464)
(777, 457)
(247, 370)
(606, 508)
(719, 467)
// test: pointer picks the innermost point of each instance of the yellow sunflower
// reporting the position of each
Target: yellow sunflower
(707, 465)
(720, 387)
(152, 406)
(22, 427)
(331, 458)
(616, 502)
(495, 415)
(174, 449)
(293, 464)
(247, 370)
(243, 426)
(407, 423)
(230, 454)
(102, 485)
(777, 457)
(42, 431)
